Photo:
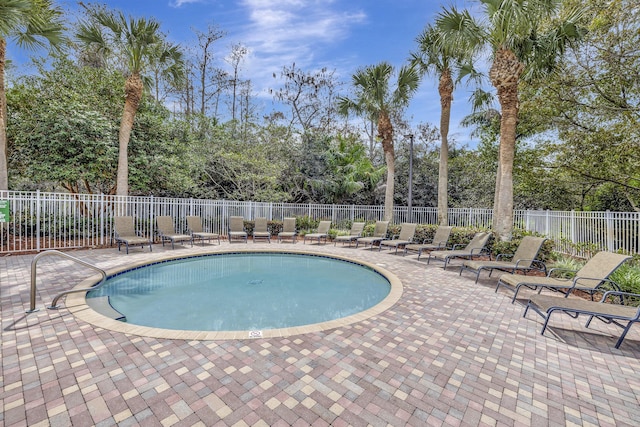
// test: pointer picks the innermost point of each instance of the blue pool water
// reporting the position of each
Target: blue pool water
(244, 291)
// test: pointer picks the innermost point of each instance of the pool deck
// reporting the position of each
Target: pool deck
(449, 352)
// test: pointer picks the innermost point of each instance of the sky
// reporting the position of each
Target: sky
(341, 35)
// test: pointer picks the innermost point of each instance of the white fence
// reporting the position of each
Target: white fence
(41, 221)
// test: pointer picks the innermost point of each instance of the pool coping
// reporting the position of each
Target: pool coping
(76, 303)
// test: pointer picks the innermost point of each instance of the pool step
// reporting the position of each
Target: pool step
(103, 306)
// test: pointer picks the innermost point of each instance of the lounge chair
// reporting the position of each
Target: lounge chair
(439, 241)
(261, 230)
(167, 231)
(379, 234)
(194, 224)
(236, 229)
(321, 233)
(125, 233)
(475, 248)
(524, 259)
(617, 314)
(354, 234)
(288, 230)
(407, 231)
(590, 278)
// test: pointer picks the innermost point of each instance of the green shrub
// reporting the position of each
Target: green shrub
(567, 265)
(627, 276)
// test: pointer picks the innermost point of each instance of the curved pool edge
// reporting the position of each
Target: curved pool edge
(76, 303)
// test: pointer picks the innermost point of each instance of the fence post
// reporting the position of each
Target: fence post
(610, 231)
(546, 223)
(572, 227)
(38, 208)
(151, 208)
(102, 224)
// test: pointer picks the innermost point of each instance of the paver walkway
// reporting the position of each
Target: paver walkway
(450, 352)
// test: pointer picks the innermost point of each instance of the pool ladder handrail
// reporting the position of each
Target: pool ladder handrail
(53, 306)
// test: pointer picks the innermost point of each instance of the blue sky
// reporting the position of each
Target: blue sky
(337, 34)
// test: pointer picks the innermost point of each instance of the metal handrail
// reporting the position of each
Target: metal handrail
(32, 307)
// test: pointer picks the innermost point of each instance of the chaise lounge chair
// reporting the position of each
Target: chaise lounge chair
(592, 276)
(167, 231)
(261, 230)
(407, 231)
(617, 314)
(288, 230)
(124, 232)
(321, 233)
(379, 234)
(524, 259)
(236, 229)
(475, 248)
(354, 234)
(194, 224)
(439, 241)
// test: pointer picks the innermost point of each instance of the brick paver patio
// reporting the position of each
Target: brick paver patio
(450, 352)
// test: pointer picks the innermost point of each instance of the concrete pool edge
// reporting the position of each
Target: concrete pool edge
(77, 304)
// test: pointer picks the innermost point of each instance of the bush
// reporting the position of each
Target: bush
(627, 276)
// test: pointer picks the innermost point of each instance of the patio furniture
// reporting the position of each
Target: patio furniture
(125, 233)
(194, 224)
(524, 259)
(619, 314)
(379, 234)
(476, 247)
(354, 234)
(288, 230)
(590, 278)
(321, 233)
(236, 229)
(261, 230)
(167, 231)
(439, 241)
(407, 231)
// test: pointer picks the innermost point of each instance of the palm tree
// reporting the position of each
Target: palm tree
(526, 39)
(32, 24)
(442, 59)
(374, 97)
(140, 43)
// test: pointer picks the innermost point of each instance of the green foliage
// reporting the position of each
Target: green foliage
(593, 105)
(232, 169)
(627, 276)
(65, 130)
(306, 224)
(566, 265)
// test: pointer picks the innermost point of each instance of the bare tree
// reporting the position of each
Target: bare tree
(235, 58)
(311, 97)
(204, 65)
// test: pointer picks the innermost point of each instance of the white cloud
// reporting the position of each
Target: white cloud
(180, 3)
(281, 32)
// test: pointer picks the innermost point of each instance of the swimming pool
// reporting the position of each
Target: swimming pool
(248, 294)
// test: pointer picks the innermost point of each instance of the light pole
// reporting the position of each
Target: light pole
(410, 198)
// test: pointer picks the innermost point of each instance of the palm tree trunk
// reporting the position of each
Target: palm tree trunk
(445, 88)
(4, 168)
(504, 74)
(385, 133)
(133, 95)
